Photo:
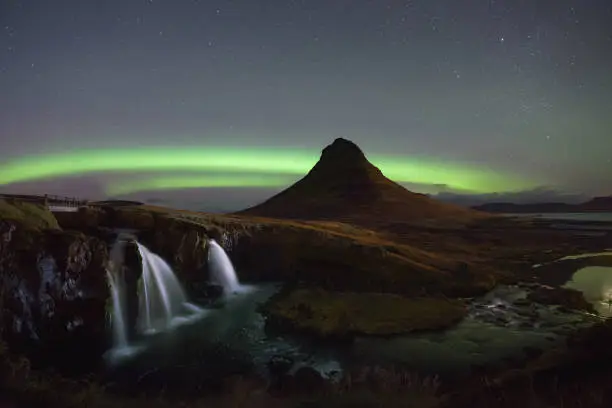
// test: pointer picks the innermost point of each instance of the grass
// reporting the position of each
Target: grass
(29, 215)
(339, 314)
(369, 387)
(331, 255)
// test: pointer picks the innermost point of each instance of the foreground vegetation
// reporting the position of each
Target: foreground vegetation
(345, 314)
(568, 385)
(30, 215)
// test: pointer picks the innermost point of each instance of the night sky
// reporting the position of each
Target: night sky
(158, 98)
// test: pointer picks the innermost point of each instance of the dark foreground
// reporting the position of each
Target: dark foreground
(576, 375)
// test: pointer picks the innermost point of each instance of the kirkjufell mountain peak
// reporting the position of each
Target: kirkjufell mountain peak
(344, 150)
(344, 186)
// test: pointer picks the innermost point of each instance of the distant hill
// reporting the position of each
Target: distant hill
(597, 204)
(41, 199)
(536, 195)
(24, 197)
(344, 186)
(115, 203)
(601, 204)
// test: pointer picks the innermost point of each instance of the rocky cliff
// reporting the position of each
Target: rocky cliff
(52, 286)
(332, 256)
(347, 262)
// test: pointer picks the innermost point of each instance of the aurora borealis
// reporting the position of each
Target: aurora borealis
(276, 167)
(157, 98)
(177, 182)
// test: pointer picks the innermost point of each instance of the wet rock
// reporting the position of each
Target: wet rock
(308, 380)
(567, 298)
(500, 321)
(522, 302)
(278, 366)
(212, 292)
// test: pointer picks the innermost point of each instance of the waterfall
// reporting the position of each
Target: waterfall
(161, 297)
(221, 269)
(162, 303)
(117, 290)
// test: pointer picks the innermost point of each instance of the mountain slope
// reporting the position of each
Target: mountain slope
(345, 186)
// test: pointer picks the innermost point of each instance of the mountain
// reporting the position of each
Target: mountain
(525, 208)
(600, 204)
(534, 196)
(597, 204)
(344, 186)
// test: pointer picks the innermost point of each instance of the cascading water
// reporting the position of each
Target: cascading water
(162, 298)
(119, 326)
(221, 269)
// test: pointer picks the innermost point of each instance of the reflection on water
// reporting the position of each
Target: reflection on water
(595, 282)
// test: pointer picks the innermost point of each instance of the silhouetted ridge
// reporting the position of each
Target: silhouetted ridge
(596, 204)
(343, 171)
(343, 151)
(343, 185)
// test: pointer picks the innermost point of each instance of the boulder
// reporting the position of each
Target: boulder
(569, 299)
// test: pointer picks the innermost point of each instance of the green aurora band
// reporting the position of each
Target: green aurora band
(273, 161)
(184, 182)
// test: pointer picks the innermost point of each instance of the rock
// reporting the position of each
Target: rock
(212, 292)
(522, 302)
(53, 284)
(305, 380)
(500, 321)
(567, 298)
(278, 366)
